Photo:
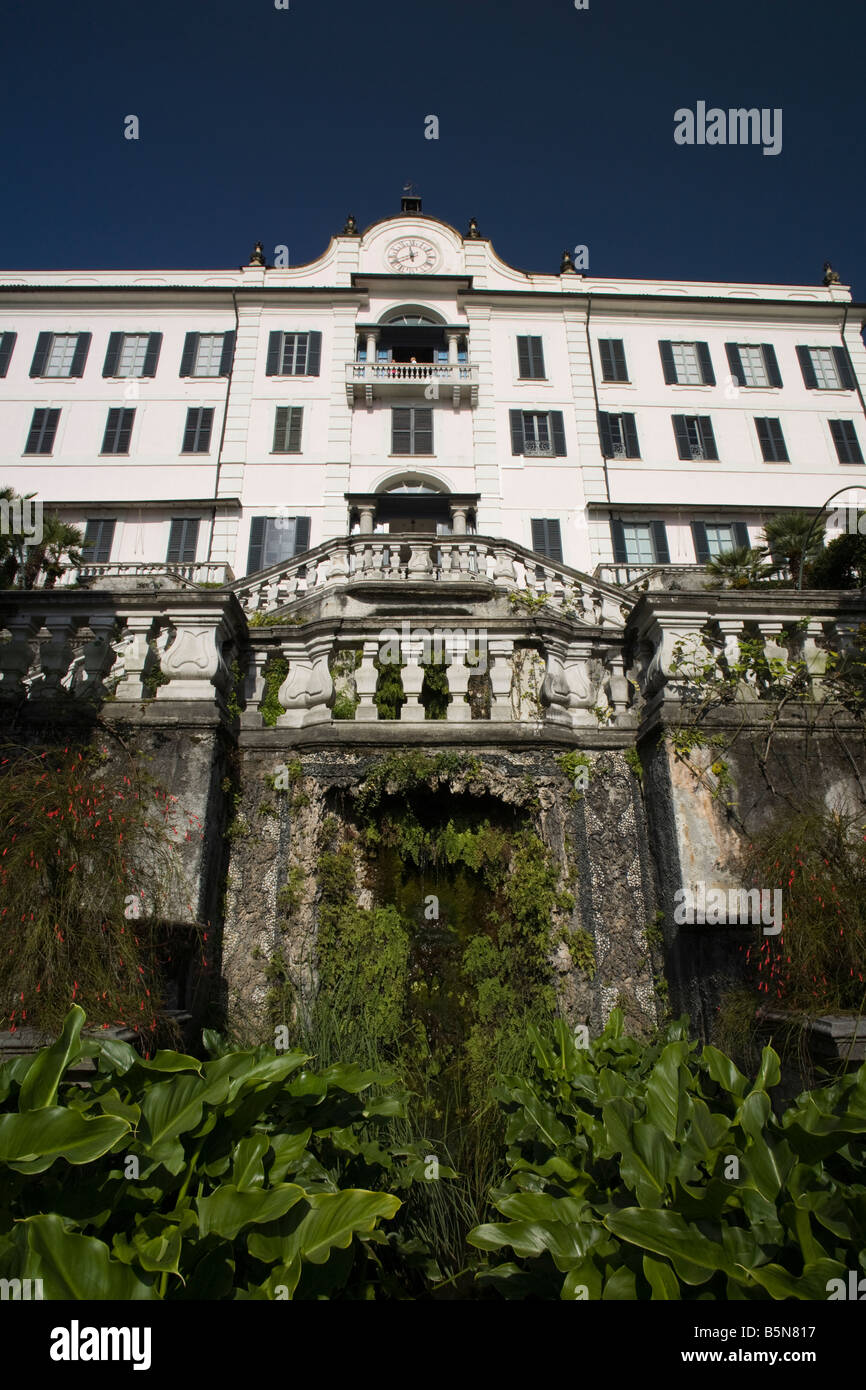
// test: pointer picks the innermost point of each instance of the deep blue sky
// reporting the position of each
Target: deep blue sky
(556, 128)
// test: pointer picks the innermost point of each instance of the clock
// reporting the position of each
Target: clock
(411, 254)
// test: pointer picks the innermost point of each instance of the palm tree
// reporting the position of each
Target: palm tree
(59, 549)
(737, 568)
(786, 539)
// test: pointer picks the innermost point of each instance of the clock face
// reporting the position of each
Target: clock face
(412, 254)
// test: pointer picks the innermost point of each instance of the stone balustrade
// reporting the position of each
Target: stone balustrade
(442, 560)
(364, 380)
(140, 574)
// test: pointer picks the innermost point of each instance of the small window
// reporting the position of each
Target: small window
(530, 358)
(287, 429)
(618, 435)
(207, 354)
(613, 363)
(753, 364)
(694, 437)
(196, 436)
(294, 354)
(183, 540)
(118, 431)
(771, 440)
(713, 538)
(538, 433)
(275, 539)
(639, 543)
(98, 540)
(7, 343)
(826, 369)
(43, 428)
(412, 430)
(60, 354)
(132, 354)
(546, 538)
(687, 364)
(845, 439)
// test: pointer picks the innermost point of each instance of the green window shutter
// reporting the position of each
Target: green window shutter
(517, 435)
(771, 363)
(741, 534)
(115, 343)
(706, 364)
(557, 429)
(660, 542)
(804, 357)
(190, 352)
(281, 429)
(780, 449)
(401, 430)
(617, 535)
(7, 343)
(699, 537)
(524, 367)
(546, 538)
(632, 447)
(708, 439)
(314, 353)
(681, 434)
(423, 429)
(605, 434)
(843, 367)
(296, 417)
(98, 540)
(228, 353)
(183, 541)
(765, 439)
(151, 356)
(257, 544)
(40, 355)
(735, 363)
(79, 356)
(302, 534)
(275, 352)
(669, 370)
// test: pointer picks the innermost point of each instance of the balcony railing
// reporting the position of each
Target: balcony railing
(364, 380)
(119, 574)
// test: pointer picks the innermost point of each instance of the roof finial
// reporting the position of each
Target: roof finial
(351, 227)
(567, 267)
(473, 234)
(830, 276)
(258, 256)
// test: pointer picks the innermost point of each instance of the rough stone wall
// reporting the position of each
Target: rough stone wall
(597, 838)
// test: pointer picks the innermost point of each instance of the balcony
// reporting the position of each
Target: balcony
(403, 380)
(148, 574)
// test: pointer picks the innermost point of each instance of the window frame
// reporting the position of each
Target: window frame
(530, 352)
(413, 429)
(202, 411)
(52, 417)
(121, 427)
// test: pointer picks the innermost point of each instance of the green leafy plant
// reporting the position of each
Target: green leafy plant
(662, 1173)
(247, 1176)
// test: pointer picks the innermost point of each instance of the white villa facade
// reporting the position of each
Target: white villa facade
(410, 380)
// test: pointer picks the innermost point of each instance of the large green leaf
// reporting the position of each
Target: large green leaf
(228, 1210)
(39, 1088)
(665, 1092)
(174, 1107)
(661, 1279)
(333, 1220)
(248, 1172)
(38, 1137)
(78, 1267)
(724, 1072)
(694, 1257)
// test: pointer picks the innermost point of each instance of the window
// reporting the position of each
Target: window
(753, 364)
(694, 436)
(771, 440)
(618, 436)
(712, 538)
(196, 436)
(546, 539)
(207, 354)
(275, 539)
(412, 430)
(43, 428)
(98, 540)
(118, 431)
(132, 354)
(530, 358)
(826, 369)
(687, 364)
(60, 354)
(294, 354)
(536, 432)
(845, 439)
(639, 543)
(183, 540)
(7, 343)
(613, 365)
(287, 429)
